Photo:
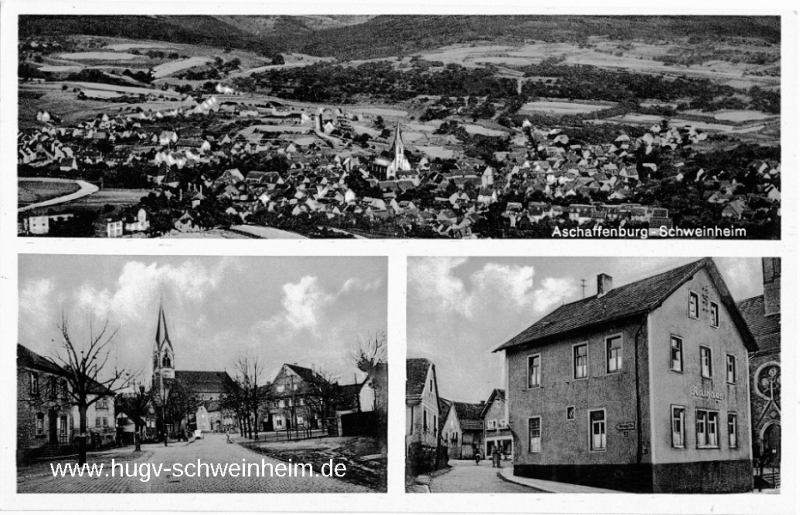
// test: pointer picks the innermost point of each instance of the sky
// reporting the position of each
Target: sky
(309, 311)
(460, 309)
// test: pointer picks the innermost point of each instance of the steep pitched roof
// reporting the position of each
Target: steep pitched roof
(416, 372)
(496, 395)
(636, 298)
(201, 381)
(306, 374)
(765, 329)
(469, 415)
(29, 359)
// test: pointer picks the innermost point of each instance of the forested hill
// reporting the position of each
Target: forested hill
(359, 37)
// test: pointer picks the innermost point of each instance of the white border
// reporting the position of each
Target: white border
(396, 501)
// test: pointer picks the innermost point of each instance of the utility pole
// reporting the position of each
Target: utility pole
(583, 288)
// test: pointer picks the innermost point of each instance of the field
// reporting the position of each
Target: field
(99, 56)
(32, 191)
(477, 129)
(743, 116)
(163, 70)
(121, 47)
(552, 107)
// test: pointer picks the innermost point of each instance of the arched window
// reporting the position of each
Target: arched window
(166, 361)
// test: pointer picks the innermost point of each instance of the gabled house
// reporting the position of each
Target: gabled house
(422, 416)
(463, 428)
(496, 431)
(637, 387)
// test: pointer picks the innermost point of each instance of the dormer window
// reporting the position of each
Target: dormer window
(714, 314)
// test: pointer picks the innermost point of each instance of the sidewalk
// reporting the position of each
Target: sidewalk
(552, 486)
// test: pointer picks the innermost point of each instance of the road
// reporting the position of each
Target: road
(212, 450)
(465, 476)
(85, 189)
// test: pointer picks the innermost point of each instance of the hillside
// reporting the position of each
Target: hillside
(364, 37)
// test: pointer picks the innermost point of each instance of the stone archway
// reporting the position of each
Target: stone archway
(771, 443)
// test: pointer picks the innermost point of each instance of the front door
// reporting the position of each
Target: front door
(772, 444)
(53, 428)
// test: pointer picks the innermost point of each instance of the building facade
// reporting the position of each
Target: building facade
(295, 402)
(763, 315)
(496, 431)
(422, 416)
(462, 431)
(641, 388)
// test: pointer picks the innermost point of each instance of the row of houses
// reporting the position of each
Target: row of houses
(666, 384)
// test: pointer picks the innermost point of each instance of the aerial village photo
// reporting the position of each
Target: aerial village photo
(593, 375)
(399, 126)
(201, 375)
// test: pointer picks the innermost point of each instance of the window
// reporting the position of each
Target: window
(64, 390)
(597, 430)
(52, 387)
(299, 420)
(570, 412)
(294, 387)
(491, 424)
(424, 420)
(714, 314)
(534, 371)
(280, 388)
(40, 423)
(279, 422)
(63, 425)
(300, 402)
(34, 383)
(705, 362)
(614, 354)
(281, 404)
(102, 404)
(581, 365)
(535, 434)
(733, 442)
(676, 354)
(678, 425)
(105, 421)
(730, 369)
(707, 430)
(435, 426)
(97, 422)
(430, 385)
(694, 305)
(503, 423)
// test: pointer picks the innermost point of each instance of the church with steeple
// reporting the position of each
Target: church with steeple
(206, 387)
(388, 163)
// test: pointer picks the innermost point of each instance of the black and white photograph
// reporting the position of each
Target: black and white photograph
(175, 374)
(593, 375)
(399, 126)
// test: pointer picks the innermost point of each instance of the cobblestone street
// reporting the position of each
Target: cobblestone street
(465, 476)
(212, 449)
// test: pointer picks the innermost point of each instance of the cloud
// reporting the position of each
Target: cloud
(495, 287)
(140, 285)
(304, 301)
(358, 284)
(35, 295)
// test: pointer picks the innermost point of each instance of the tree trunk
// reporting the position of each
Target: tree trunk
(82, 434)
(136, 440)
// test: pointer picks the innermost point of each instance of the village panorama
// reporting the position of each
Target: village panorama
(399, 126)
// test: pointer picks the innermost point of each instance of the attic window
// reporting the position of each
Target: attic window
(694, 305)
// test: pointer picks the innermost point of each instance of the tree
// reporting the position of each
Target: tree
(278, 59)
(324, 393)
(370, 357)
(245, 396)
(87, 372)
(136, 406)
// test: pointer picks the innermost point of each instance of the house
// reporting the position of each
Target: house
(422, 416)
(637, 387)
(463, 430)
(496, 431)
(44, 414)
(298, 400)
(763, 316)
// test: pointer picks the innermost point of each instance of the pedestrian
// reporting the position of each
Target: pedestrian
(228, 438)
(495, 458)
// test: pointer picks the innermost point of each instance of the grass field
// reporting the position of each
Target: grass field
(99, 56)
(31, 191)
(552, 107)
(163, 70)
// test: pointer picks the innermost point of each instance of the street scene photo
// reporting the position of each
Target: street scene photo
(593, 375)
(399, 126)
(201, 374)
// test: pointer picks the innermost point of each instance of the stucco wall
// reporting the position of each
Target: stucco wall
(676, 388)
(566, 442)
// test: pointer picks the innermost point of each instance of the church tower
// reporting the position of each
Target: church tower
(163, 354)
(400, 161)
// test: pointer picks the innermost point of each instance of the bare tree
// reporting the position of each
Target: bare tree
(324, 393)
(137, 406)
(88, 374)
(370, 352)
(370, 357)
(246, 396)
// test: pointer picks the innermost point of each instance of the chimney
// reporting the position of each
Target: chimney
(771, 268)
(604, 284)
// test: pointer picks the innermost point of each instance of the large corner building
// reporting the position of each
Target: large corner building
(644, 387)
